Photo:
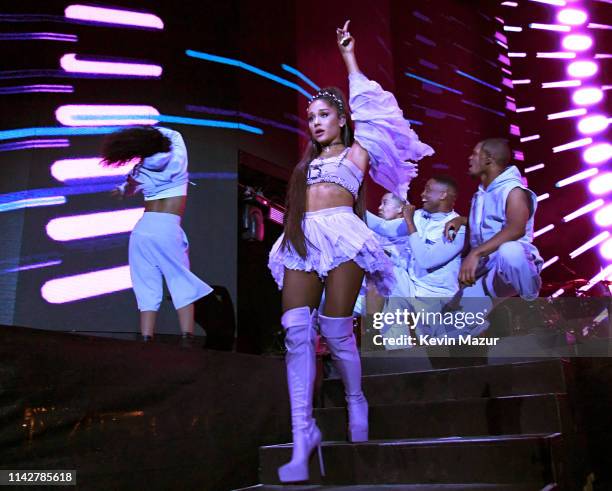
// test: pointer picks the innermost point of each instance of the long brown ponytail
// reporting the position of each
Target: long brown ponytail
(296, 192)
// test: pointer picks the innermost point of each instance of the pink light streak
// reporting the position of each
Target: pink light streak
(543, 230)
(584, 210)
(604, 274)
(85, 115)
(525, 109)
(561, 55)
(550, 27)
(70, 63)
(86, 285)
(567, 114)
(550, 262)
(542, 197)
(561, 83)
(571, 145)
(113, 16)
(589, 244)
(93, 224)
(87, 168)
(576, 177)
(534, 168)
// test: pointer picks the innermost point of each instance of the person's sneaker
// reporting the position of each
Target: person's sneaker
(187, 340)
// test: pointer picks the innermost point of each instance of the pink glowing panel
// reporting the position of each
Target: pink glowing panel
(597, 154)
(572, 17)
(113, 16)
(515, 130)
(587, 96)
(592, 124)
(504, 59)
(67, 169)
(577, 42)
(86, 285)
(70, 63)
(606, 249)
(601, 184)
(582, 69)
(93, 224)
(603, 217)
(78, 115)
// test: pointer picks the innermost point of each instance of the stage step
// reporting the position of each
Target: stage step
(504, 459)
(494, 416)
(404, 487)
(484, 381)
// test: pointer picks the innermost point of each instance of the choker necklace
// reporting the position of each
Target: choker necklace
(327, 148)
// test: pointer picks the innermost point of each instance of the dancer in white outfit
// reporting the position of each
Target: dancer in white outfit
(158, 246)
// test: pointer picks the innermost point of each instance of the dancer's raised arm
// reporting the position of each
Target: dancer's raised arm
(391, 145)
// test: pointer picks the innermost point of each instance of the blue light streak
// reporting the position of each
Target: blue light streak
(250, 68)
(299, 74)
(482, 82)
(431, 82)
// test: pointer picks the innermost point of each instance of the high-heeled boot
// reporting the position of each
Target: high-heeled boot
(299, 324)
(338, 332)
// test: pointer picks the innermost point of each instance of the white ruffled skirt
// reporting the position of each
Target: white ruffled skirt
(334, 236)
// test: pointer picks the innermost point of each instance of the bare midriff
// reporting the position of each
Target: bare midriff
(327, 195)
(174, 205)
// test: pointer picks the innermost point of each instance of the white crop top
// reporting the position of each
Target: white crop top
(169, 193)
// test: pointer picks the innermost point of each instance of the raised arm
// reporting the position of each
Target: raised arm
(384, 139)
(177, 156)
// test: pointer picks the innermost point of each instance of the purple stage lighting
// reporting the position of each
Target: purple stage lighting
(587, 96)
(592, 124)
(603, 217)
(572, 17)
(582, 69)
(601, 184)
(577, 42)
(597, 154)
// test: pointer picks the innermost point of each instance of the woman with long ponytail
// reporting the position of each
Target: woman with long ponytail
(327, 246)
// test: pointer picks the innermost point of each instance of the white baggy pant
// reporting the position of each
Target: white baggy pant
(159, 250)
